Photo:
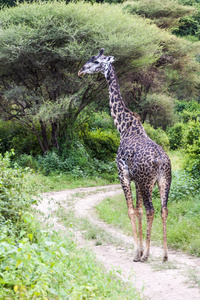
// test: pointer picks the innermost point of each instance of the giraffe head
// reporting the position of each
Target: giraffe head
(96, 64)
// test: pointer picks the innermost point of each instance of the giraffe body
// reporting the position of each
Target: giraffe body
(139, 159)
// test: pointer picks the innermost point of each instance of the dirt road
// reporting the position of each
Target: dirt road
(174, 280)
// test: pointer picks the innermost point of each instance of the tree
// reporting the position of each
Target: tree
(41, 49)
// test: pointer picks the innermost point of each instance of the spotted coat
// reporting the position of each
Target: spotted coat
(139, 159)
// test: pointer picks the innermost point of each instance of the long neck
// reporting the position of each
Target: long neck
(123, 117)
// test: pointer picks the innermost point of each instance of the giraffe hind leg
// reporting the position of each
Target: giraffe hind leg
(132, 216)
(139, 210)
(150, 215)
(126, 186)
(164, 186)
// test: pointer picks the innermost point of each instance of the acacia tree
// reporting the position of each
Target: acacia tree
(43, 45)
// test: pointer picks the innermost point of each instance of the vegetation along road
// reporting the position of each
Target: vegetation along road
(176, 279)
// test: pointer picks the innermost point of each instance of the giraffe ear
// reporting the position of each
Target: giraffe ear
(101, 52)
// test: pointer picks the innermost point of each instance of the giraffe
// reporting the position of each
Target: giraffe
(139, 159)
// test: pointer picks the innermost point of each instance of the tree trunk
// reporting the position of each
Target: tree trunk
(44, 137)
(54, 134)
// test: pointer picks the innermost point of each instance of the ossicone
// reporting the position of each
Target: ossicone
(101, 52)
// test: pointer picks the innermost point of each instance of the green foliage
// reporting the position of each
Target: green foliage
(73, 167)
(192, 133)
(159, 109)
(102, 120)
(157, 135)
(102, 144)
(13, 135)
(74, 155)
(189, 26)
(164, 14)
(54, 268)
(15, 192)
(39, 264)
(176, 134)
(192, 164)
(188, 111)
(183, 186)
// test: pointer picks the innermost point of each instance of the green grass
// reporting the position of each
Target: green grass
(177, 158)
(61, 181)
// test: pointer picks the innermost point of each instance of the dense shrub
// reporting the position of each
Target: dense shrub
(75, 156)
(15, 136)
(103, 145)
(175, 135)
(164, 14)
(192, 106)
(158, 135)
(160, 110)
(182, 186)
(188, 111)
(191, 134)
(192, 164)
(102, 120)
(27, 161)
(14, 190)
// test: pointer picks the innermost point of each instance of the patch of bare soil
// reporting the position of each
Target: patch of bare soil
(174, 280)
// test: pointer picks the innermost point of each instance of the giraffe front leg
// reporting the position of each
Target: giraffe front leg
(126, 186)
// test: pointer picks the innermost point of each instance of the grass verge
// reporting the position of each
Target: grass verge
(63, 181)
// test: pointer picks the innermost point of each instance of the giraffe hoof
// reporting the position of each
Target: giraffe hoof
(144, 258)
(136, 259)
(165, 258)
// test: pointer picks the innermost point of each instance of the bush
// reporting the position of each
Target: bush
(182, 187)
(79, 166)
(14, 190)
(102, 120)
(175, 135)
(160, 110)
(74, 156)
(164, 14)
(192, 164)
(27, 161)
(191, 134)
(157, 135)
(102, 145)
(15, 136)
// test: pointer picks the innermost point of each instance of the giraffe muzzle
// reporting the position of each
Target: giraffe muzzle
(81, 73)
